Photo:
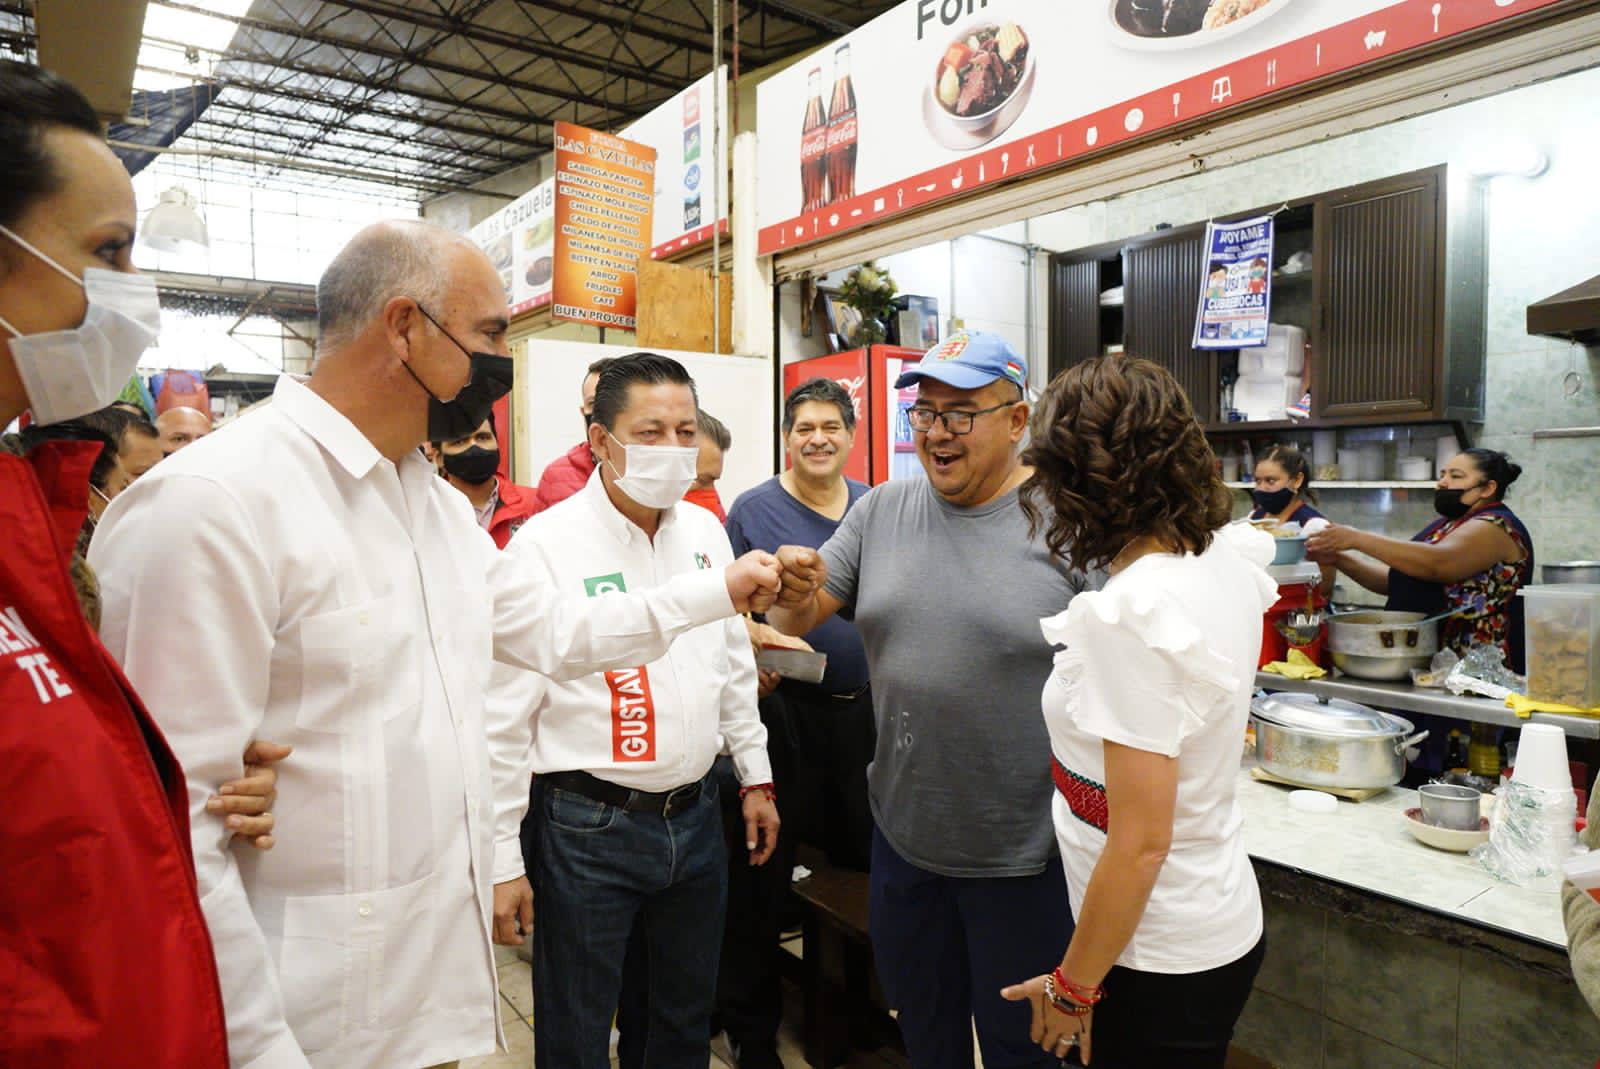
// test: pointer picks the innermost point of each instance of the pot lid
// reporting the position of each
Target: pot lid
(1327, 716)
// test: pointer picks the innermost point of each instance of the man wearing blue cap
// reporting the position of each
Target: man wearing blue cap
(947, 588)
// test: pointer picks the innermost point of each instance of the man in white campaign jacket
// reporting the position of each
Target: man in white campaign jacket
(623, 822)
(303, 575)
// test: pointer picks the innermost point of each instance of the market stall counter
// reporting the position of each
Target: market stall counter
(1382, 951)
(1402, 697)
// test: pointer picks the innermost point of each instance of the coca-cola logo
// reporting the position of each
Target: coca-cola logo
(842, 132)
(814, 144)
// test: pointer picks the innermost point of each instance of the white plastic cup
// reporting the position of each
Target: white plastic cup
(1542, 758)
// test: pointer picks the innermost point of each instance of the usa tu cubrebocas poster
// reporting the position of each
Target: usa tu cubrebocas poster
(1236, 293)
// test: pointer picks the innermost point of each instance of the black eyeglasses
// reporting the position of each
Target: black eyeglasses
(956, 423)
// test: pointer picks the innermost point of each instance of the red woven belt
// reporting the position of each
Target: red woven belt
(1085, 797)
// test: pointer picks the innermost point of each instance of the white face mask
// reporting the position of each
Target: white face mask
(70, 373)
(658, 475)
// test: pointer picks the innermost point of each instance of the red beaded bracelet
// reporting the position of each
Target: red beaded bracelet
(768, 789)
(1083, 996)
(1061, 1003)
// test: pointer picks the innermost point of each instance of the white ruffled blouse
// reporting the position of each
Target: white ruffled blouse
(1163, 659)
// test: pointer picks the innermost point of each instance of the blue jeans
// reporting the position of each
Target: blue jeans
(944, 946)
(595, 869)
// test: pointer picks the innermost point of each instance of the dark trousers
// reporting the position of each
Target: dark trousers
(1171, 1021)
(832, 741)
(596, 869)
(944, 947)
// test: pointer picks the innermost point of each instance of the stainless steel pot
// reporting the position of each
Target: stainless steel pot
(1571, 571)
(1382, 645)
(1329, 742)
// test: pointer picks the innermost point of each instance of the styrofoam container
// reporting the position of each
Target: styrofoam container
(1414, 469)
(1563, 646)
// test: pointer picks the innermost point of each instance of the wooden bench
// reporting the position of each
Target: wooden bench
(846, 1019)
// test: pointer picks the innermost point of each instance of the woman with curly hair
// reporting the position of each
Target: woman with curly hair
(1146, 710)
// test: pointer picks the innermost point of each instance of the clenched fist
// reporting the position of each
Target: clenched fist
(803, 575)
(753, 581)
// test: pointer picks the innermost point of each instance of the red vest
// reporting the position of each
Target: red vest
(516, 504)
(105, 959)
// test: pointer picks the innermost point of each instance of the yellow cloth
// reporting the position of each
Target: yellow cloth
(1298, 666)
(1525, 707)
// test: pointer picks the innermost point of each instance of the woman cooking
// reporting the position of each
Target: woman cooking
(1283, 485)
(1472, 560)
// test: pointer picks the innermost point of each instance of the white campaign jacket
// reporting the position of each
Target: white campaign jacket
(281, 580)
(650, 727)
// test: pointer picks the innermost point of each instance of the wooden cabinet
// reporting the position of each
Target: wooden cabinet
(1378, 288)
(1161, 280)
(1081, 326)
(1393, 305)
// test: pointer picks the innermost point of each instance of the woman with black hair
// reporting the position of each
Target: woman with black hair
(105, 957)
(1470, 561)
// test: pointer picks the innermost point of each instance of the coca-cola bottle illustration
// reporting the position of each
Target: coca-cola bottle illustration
(842, 130)
(814, 149)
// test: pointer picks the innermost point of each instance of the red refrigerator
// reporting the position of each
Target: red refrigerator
(884, 447)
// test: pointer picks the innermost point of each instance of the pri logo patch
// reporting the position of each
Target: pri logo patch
(702, 561)
(633, 709)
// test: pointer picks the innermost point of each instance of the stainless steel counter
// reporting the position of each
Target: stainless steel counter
(1404, 697)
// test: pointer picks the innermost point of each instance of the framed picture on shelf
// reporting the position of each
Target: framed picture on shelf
(842, 319)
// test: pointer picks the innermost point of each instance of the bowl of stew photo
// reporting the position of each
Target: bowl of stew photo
(982, 79)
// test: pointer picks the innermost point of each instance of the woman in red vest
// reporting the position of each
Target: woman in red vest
(105, 960)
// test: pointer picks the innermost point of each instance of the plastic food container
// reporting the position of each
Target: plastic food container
(1563, 644)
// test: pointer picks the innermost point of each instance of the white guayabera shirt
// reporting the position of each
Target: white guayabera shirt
(650, 727)
(282, 580)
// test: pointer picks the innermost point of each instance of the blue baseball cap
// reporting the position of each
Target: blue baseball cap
(969, 360)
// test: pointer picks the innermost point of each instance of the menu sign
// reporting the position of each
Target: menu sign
(682, 132)
(1236, 298)
(605, 196)
(980, 92)
(519, 240)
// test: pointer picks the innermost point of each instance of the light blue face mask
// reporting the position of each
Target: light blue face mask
(70, 373)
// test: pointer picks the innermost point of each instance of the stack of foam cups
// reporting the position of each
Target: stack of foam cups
(1542, 764)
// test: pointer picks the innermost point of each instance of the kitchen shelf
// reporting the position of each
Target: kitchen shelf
(1403, 696)
(1354, 484)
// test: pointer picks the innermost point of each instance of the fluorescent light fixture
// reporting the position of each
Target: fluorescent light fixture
(1515, 160)
(175, 224)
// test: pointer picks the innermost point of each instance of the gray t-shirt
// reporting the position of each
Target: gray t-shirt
(948, 602)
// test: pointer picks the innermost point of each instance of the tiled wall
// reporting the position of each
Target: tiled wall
(1336, 992)
(1544, 235)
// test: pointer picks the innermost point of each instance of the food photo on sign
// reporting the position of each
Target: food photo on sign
(934, 99)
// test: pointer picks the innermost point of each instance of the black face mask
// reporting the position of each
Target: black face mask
(473, 465)
(1448, 503)
(450, 421)
(1273, 501)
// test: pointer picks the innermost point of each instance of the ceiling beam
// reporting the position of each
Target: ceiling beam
(342, 106)
(463, 170)
(368, 47)
(681, 35)
(799, 15)
(252, 114)
(98, 53)
(512, 42)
